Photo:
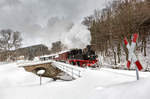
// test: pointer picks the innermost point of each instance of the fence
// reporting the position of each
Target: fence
(73, 71)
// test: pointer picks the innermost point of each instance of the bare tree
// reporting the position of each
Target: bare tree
(9, 40)
(57, 47)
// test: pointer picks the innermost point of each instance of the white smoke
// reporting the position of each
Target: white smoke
(77, 37)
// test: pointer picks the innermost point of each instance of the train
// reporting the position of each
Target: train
(82, 57)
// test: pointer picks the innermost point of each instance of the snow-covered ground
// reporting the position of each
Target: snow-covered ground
(16, 83)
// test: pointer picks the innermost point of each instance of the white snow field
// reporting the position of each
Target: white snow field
(16, 83)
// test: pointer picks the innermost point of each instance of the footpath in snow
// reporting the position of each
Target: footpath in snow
(16, 83)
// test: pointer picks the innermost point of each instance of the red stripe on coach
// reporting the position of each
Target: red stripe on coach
(138, 64)
(135, 36)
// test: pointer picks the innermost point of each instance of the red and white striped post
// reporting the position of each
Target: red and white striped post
(132, 56)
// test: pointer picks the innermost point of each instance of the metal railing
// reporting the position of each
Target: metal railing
(73, 71)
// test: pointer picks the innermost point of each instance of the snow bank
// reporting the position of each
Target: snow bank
(13, 76)
(133, 90)
(15, 83)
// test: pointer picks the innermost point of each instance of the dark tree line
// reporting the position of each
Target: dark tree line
(118, 19)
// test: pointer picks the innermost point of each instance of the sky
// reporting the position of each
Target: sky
(47, 21)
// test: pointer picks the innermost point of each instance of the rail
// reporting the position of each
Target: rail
(73, 71)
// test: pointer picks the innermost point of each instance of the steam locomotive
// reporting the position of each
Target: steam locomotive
(81, 57)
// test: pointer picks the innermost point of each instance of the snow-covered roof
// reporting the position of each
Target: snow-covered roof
(30, 63)
(54, 54)
(48, 55)
(63, 51)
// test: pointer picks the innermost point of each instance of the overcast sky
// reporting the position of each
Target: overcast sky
(46, 21)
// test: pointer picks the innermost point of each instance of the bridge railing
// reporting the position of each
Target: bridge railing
(73, 71)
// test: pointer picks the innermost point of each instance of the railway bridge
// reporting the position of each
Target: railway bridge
(52, 69)
(34, 67)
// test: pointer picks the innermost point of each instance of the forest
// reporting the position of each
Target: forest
(119, 19)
